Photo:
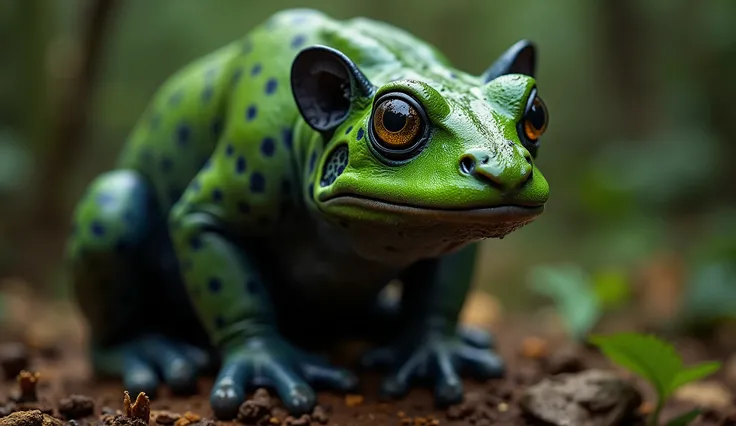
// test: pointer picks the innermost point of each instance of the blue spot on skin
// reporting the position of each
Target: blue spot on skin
(176, 97)
(182, 134)
(210, 74)
(257, 182)
(104, 199)
(361, 132)
(312, 160)
(271, 86)
(251, 112)
(229, 150)
(155, 121)
(297, 41)
(240, 165)
(195, 243)
(256, 70)
(207, 93)
(195, 186)
(244, 207)
(288, 137)
(216, 128)
(350, 129)
(219, 321)
(97, 229)
(215, 285)
(453, 75)
(217, 195)
(166, 164)
(268, 146)
(236, 76)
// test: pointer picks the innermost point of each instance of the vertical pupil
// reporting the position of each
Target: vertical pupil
(536, 116)
(394, 117)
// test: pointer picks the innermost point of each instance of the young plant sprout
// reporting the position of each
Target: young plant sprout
(657, 362)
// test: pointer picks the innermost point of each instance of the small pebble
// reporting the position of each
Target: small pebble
(320, 415)
(353, 400)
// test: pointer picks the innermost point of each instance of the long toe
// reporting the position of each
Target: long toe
(326, 377)
(448, 392)
(393, 387)
(476, 337)
(139, 376)
(225, 400)
(482, 364)
(182, 378)
(301, 400)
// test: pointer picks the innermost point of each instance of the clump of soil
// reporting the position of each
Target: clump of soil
(262, 410)
(30, 418)
(76, 407)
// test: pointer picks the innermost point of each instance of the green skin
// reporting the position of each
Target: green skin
(228, 227)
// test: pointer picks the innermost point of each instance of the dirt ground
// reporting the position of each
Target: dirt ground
(533, 349)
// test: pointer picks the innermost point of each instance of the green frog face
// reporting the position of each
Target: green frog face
(438, 156)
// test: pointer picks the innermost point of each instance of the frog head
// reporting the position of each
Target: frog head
(424, 158)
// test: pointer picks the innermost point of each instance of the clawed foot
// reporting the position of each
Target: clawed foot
(145, 362)
(438, 358)
(272, 362)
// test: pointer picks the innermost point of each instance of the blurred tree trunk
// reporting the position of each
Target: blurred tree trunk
(31, 25)
(628, 44)
(45, 222)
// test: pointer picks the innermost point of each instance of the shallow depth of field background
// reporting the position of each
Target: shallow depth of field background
(639, 153)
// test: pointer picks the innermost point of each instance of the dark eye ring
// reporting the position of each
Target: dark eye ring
(534, 122)
(398, 126)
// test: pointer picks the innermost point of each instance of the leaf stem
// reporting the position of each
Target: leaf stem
(654, 417)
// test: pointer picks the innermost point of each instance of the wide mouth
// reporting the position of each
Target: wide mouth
(499, 213)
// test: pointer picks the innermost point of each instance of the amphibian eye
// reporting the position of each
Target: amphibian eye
(534, 122)
(398, 125)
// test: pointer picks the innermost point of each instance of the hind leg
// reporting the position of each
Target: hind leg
(120, 288)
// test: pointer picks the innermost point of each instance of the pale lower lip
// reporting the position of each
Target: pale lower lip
(494, 214)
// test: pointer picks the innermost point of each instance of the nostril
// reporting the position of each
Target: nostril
(485, 159)
(467, 165)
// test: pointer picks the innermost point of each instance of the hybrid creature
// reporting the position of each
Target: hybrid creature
(274, 188)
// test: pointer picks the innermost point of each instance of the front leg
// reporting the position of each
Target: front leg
(433, 347)
(232, 299)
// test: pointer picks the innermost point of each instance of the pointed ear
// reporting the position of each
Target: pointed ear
(520, 58)
(325, 83)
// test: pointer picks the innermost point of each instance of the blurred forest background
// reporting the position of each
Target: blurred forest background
(639, 152)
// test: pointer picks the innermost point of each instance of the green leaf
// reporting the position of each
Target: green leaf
(684, 419)
(649, 357)
(572, 294)
(693, 373)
